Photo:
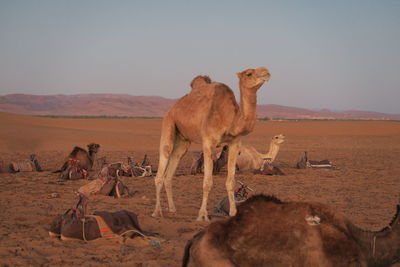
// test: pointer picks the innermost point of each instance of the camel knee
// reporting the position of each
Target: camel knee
(166, 151)
(158, 181)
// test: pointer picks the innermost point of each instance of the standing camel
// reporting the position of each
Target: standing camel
(269, 232)
(250, 159)
(208, 115)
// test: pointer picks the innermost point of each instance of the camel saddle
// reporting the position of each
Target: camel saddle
(305, 163)
(139, 170)
(110, 186)
(73, 171)
(240, 195)
(25, 165)
(22, 166)
(114, 187)
(269, 169)
(75, 224)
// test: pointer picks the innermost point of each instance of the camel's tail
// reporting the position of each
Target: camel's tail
(166, 145)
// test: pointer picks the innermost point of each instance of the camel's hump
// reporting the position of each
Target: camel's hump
(200, 81)
(76, 150)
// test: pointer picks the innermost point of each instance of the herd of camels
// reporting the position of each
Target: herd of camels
(262, 231)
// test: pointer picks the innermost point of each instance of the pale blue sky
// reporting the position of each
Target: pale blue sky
(322, 54)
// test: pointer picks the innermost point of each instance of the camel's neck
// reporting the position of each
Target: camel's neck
(92, 156)
(248, 103)
(272, 153)
(381, 248)
(246, 117)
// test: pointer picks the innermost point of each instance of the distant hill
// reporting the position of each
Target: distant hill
(284, 112)
(152, 106)
(86, 105)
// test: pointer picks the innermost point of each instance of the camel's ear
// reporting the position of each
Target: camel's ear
(239, 74)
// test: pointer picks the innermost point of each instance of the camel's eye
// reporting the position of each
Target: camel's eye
(276, 137)
(248, 74)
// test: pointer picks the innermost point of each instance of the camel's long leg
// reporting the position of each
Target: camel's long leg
(166, 147)
(159, 182)
(207, 182)
(180, 148)
(230, 179)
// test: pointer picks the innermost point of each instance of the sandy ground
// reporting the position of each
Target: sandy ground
(365, 187)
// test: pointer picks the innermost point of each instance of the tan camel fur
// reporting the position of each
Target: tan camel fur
(208, 115)
(250, 159)
(269, 232)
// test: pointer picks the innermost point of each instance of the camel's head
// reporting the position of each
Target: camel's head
(278, 139)
(253, 78)
(94, 148)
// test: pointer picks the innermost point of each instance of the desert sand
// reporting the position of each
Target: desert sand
(365, 186)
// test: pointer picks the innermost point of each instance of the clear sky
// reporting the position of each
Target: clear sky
(339, 55)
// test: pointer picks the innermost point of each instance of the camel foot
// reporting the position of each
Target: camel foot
(157, 213)
(52, 234)
(203, 217)
(173, 209)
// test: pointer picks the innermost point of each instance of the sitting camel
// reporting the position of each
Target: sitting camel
(250, 159)
(81, 159)
(269, 232)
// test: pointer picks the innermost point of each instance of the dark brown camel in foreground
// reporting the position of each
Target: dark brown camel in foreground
(84, 158)
(269, 232)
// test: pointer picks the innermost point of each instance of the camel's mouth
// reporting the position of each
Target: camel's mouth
(263, 74)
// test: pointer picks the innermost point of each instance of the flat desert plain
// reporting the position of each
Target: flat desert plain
(365, 186)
